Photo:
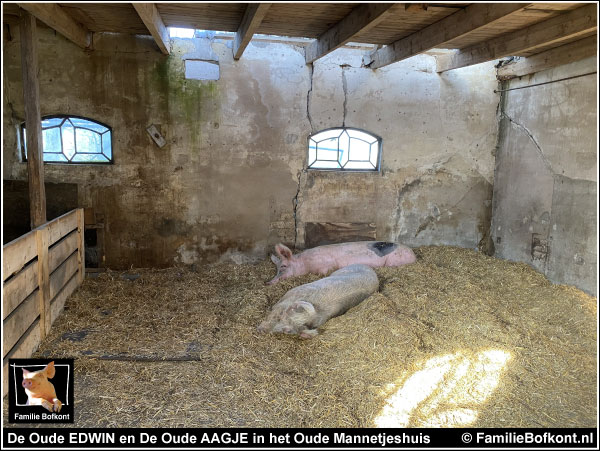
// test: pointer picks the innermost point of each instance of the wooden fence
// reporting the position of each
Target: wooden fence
(39, 272)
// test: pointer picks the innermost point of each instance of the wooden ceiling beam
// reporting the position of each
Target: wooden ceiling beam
(459, 24)
(577, 22)
(361, 19)
(568, 53)
(155, 25)
(253, 16)
(55, 17)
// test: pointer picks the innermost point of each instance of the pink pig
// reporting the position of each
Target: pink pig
(323, 259)
(40, 390)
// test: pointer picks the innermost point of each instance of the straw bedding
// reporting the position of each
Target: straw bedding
(456, 339)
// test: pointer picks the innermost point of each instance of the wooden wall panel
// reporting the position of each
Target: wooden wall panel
(41, 270)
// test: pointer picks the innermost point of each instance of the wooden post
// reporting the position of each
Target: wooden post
(81, 243)
(33, 122)
(41, 238)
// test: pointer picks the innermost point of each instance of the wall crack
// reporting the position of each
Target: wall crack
(345, 88)
(295, 204)
(533, 140)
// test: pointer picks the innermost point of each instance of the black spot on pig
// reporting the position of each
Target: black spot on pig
(381, 248)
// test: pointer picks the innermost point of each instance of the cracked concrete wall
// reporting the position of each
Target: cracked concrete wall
(231, 180)
(439, 135)
(545, 186)
(222, 186)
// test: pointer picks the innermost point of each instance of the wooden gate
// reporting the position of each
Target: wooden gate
(40, 270)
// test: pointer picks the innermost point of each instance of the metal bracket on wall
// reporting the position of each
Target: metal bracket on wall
(544, 83)
(156, 136)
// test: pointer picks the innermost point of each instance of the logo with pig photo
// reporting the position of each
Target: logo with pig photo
(40, 391)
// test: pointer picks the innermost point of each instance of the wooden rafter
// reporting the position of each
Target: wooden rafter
(577, 22)
(255, 13)
(459, 24)
(361, 19)
(55, 17)
(155, 25)
(568, 53)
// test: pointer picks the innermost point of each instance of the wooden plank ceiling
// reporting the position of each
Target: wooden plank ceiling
(402, 30)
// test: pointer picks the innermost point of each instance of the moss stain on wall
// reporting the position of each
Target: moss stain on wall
(185, 99)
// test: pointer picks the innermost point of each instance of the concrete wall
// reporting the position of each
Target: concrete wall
(439, 134)
(230, 181)
(545, 186)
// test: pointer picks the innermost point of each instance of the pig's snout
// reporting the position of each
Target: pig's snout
(27, 383)
(280, 328)
(272, 281)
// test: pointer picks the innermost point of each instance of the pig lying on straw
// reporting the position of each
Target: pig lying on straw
(323, 259)
(303, 309)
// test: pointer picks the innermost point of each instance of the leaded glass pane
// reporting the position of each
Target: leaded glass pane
(68, 139)
(344, 143)
(55, 157)
(107, 144)
(87, 141)
(89, 158)
(359, 150)
(73, 140)
(52, 122)
(374, 153)
(328, 150)
(326, 165)
(84, 123)
(359, 165)
(312, 152)
(361, 135)
(344, 149)
(327, 134)
(51, 140)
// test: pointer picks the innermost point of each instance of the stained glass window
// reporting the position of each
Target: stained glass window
(344, 149)
(71, 139)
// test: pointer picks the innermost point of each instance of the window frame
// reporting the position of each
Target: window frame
(22, 128)
(377, 169)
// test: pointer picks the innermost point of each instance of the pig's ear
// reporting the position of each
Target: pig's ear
(50, 370)
(303, 307)
(25, 372)
(275, 260)
(283, 251)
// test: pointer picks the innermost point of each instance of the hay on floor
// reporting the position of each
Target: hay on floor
(456, 339)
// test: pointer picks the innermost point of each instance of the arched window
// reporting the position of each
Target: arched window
(344, 149)
(72, 139)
